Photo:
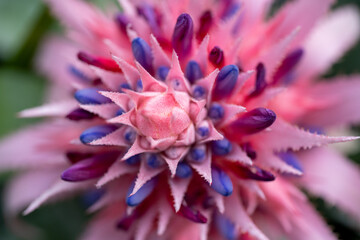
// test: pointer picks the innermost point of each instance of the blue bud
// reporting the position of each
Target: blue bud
(199, 92)
(91, 96)
(142, 53)
(119, 112)
(290, 159)
(130, 135)
(221, 182)
(133, 160)
(193, 71)
(183, 170)
(225, 82)
(77, 73)
(221, 147)
(225, 227)
(124, 86)
(216, 112)
(203, 131)
(141, 194)
(162, 72)
(139, 85)
(154, 161)
(197, 154)
(183, 35)
(97, 132)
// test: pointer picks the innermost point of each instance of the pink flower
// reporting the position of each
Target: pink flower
(195, 119)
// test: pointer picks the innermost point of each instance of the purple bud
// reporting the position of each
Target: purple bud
(203, 131)
(142, 53)
(122, 21)
(90, 168)
(225, 82)
(199, 92)
(134, 160)
(124, 86)
(77, 73)
(119, 112)
(288, 65)
(225, 227)
(221, 147)
(221, 182)
(90, 96)
(141, 194)
(75, 157)
(183, 35)
(149, 14)
(162, 72)
(216, 57)
(250, 152)
(206, 20)
(193, 72)
(126, 221)
(183, 170)
(96, 132)
(139, 85)
(250, 122)
(291, 159)
(192, 215)
(260, 83)
(80, 114)
(130, 135)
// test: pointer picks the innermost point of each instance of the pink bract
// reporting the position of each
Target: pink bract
(197, 119)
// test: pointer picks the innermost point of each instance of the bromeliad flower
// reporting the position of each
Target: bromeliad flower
(190, 118)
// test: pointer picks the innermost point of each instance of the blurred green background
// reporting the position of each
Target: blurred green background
(23, 25)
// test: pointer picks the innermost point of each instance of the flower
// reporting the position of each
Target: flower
(197, 119)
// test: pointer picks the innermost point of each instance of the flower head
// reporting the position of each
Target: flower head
(190, 114)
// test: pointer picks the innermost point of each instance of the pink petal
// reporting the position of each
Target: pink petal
(116, 170)
(120, 99)
(177, 153)
(208, 83)
(58, 109)
(149, 82)
(131, 74)
(103, 110)
(328, 174)
(318, 56)
(160, 57)
(138, 147)
(238, 155)
(201, 56)
(176, 74)
(115, 138)
(230, 111)
(165, 213)
(145, 225)
(110, 79)
(204, 168)
(178, 188)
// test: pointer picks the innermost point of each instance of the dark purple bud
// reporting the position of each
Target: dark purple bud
(139, 85)
(221, 182)
(199, 92)
(162, 72)
(193, 72)
(291, 159)
(203, 131)
(225, 227)
(154, 160)
(288, 65)
(221, 147)
(250, 152)
(90, 168)
(183, 35)
(75, 157)
(206, 20)
(126, 221)
(141, 194)
(197, 154)
(91, 96)
(216, 112)
(250, 122)
(122, 21)
(80, 114)
(252, 172)
(119, 112)
(100, 62)
(134, 160)
(124, 86)
(142, 53)
(192, 215)
(130, 135)
(183, 170)
(149, 14)
(225, 82)
(96, 132)
(216, 57)
(260, 83)
(92, 196)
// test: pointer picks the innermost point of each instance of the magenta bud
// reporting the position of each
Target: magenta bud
(100, 62)
(192, 215)
(260, 83)
(80, 114)
(90, 168)
(216, 57)
(288, 65)
(225, 82)
(122, 21)
(183, 35)
(206, 20)
(255, 173)
(250, 122)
